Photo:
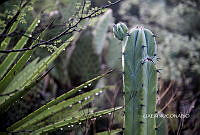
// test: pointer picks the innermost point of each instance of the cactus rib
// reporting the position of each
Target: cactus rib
(139, 52)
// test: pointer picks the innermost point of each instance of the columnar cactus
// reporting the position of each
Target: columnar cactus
(139, 54)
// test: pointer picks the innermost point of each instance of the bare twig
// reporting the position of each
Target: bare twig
(170, 101)
(68, 30)
(165, 92)
(14, 18)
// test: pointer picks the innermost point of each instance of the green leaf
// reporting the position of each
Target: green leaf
(6, 41)
(55, 101)
(18, 81)
(27, 76)
(66, 113)
(5, 65)
(74, 121)
(16, 68)
(56, 108)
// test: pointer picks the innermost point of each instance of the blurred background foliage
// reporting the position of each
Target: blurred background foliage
(176, 26)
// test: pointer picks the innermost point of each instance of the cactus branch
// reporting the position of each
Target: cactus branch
(139, 78)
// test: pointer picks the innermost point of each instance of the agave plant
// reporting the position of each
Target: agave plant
(18, 75)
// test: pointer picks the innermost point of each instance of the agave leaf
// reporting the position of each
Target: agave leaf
(20, 93)
(18, 80)
(55, 101)
(5, 65)
(6, 41)
(16, 68)
(74, 121)
(56, 108)
(66, 113)
(27, 76)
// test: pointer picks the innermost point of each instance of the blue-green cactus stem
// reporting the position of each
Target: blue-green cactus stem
(139, 56)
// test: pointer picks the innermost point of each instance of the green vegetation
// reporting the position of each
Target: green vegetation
(66, 68)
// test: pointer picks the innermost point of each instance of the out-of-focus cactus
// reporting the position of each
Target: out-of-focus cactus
(139, 54)
(85, 59)
(114, 52)
(84, 63)
(100, 31)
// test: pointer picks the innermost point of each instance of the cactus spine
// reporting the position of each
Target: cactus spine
(139, 52)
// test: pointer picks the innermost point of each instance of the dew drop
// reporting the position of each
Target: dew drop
(101, 91)
(38, 21)
(70, 105)
(89, 84)
(91, 111)
(100, 116)
(109, 113)
(68, 126)
(61, 128)
(30, 35)
(96, 94)
(93, 119)
(72, 125)
(48, 108)
(79, 101)
(79, 90)
(86, 98)
(85, 86)
(79, 123)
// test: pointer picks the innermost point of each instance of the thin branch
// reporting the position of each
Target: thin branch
(69, 30)
(170, 101)
(165, 92)
(83, 7)
(14, 18)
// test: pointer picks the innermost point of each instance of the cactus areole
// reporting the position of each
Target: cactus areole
(139, 55)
